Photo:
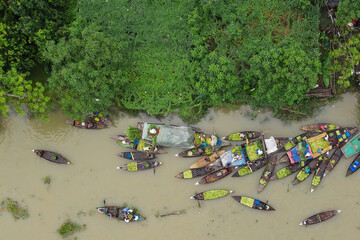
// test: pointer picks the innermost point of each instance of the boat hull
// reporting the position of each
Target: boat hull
(51, 156)
(320, 217)
(253, 203)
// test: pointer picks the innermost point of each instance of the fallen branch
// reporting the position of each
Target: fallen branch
(293, 111)
(173, 213)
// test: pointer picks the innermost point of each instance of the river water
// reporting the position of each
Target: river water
(77, 189)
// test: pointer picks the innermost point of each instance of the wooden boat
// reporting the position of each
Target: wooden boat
(334, 159)
(196, 172)
(320, 127)
(354, 166)
(254, 154)
(211, 194)
(217, 175)
(352, 147)
(137, 166)
(203, 149)
(319, 173)
(319, 217)
(121, 213)
(253, 203)
(242, 136)
(137, 156)
(306, 171)
(87, 124)
(99, 117)
(250, 167)
(138, 144)
(267, 173)
(175, 136)
(286, 171)
(304, 149)
(206, 160)
(51, 156)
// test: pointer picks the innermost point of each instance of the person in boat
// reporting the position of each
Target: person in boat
(354, 24)
(89, 124)
(39, 153)
(259, 152)
(129, 215)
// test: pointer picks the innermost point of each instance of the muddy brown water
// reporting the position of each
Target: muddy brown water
(76, 190)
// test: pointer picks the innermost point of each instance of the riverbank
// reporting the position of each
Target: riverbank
(77, 189)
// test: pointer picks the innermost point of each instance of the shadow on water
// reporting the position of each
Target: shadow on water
(357, 109)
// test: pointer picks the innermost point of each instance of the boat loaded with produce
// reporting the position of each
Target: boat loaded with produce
(267, 173)
(252, 153)
(136, 143)
(92, 121)
(121, 213)
(320, 127)
(138, 166)
(253, 203)
(211, 194)
(51, 156)
(196, 172)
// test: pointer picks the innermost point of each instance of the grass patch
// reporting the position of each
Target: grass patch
(14, 208)
(68, 228)
(46, 180)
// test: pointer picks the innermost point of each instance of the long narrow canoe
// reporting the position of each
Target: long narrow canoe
(242, 136)
(320, 127)
(216, 176)
(306, 171)
(121, 213)
(137, 166)
(334, 159)
(267, 173)
(253, 203)
(319, 173)
(203, 149)
(355, 165)
(211, 194)
(286, 171)
(206, 160)
(88, 124)
(137, 156)
(51, 156)
(320, 217)
(138, 144)
(196, 172)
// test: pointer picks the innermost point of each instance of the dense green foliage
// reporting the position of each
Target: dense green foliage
(180, 56)
(69, 228)
(25, 26)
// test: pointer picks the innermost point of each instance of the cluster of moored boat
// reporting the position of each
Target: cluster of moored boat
(317, 150)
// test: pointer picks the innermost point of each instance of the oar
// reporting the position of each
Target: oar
(198, 200)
